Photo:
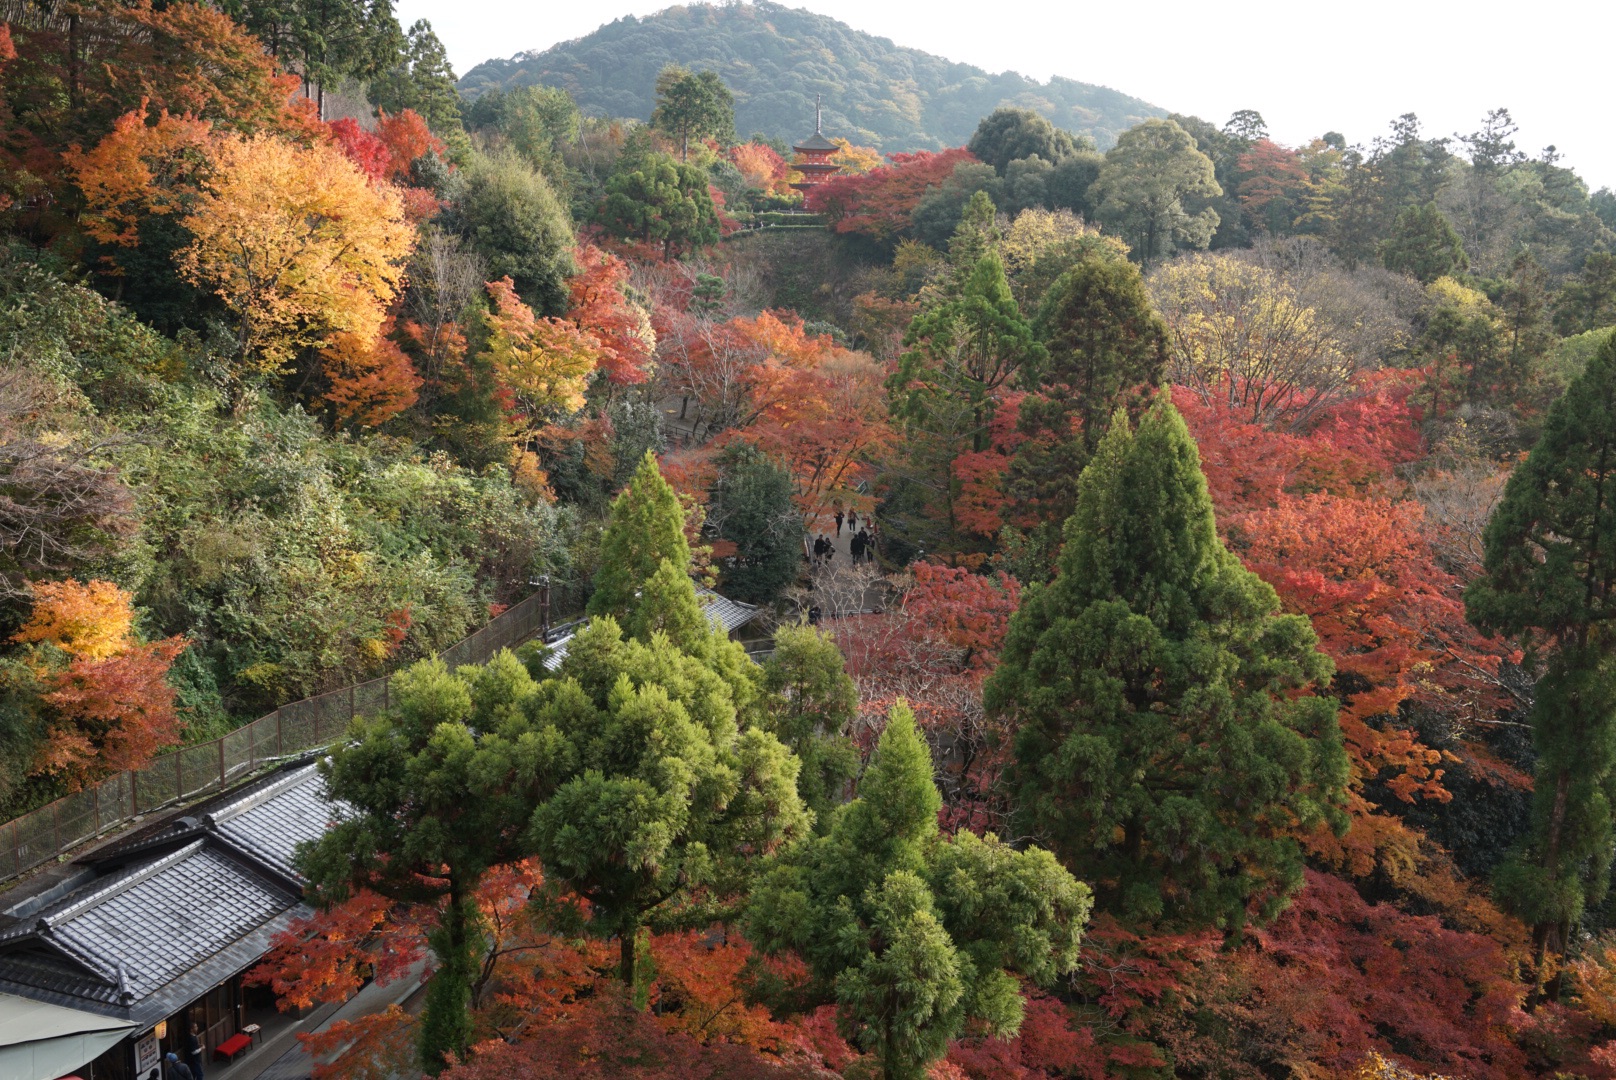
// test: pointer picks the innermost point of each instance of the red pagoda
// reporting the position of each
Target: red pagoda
(813, 156)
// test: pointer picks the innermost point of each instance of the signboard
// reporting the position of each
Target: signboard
(148, 1061)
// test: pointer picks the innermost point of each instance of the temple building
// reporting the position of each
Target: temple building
(813, 156)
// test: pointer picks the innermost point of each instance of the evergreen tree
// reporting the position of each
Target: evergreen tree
(1423, 245)
(1102, 339)
(662, 798)
(1551, 577)
(911, 934)
(1162, 747)
(693, 105)
(1143, 185)
(811, 704)
(645, 530)
(656, 199)
(752, 508)
(1007, 135)
(434, 800)
(509, 215)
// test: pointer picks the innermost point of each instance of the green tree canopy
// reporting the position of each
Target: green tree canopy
(752, 507)
(656, 199)
(1007, 135)
(1162, 747)
(911, 934)
(510, 216)
(1143, 184)
(1423, 245)
(661, 797)
(646, 529)
(1102, 339)
(1551, 578)
(435, 791)
(812, 701)
(693, 105)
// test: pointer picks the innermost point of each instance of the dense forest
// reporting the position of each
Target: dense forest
(1219, 682)
(776, 59)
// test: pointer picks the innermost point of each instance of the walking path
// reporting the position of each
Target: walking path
(282, 1057)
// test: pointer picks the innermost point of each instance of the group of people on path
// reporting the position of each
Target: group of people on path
(861, 545)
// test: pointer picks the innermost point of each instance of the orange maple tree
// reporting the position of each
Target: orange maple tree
(109, 707)
(146, 166)
(599, 306)
(368, 383)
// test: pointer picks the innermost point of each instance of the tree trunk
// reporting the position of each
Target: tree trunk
(626, 958)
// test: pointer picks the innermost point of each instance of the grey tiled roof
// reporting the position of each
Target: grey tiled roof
(271, 822)
(190, 904)
(726, 615)
(125, 937)
(816, 141)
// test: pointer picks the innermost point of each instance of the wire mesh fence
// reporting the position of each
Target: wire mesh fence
(180, 775)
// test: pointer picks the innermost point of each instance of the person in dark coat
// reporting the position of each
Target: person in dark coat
(866, 545)
(840, 517)
(177, 1069)
(193, 1049)
(856, 546)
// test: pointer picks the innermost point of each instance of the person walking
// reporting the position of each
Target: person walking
(852, 520)
(193, 1049)
(839, 518)
(177, 1069)
(856, 546)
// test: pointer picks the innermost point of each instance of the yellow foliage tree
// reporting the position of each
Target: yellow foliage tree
(857, 160)
(298, 243)
(544, 363)
(92, 621)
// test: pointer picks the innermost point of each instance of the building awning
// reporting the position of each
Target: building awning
(40, 1041)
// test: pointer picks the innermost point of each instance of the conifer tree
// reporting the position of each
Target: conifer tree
(812, 702)
(646, 528)
(911, 934)
(1102, 339)
(1551, 578)
(1163, 747)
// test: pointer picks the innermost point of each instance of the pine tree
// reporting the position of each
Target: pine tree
(1162, 747)
(911, 934)
(1551, 577)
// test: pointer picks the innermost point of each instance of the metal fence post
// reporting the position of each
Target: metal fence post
(221, 762)
(179, 774)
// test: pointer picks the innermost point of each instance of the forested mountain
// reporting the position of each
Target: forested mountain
(775, 59)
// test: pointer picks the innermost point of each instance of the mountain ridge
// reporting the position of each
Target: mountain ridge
(776, 58)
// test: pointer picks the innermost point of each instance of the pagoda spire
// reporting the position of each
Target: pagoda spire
(817, 116)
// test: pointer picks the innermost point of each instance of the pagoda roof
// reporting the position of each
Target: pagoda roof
(816, 141)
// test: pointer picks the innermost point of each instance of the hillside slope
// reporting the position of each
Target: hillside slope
(777, 58)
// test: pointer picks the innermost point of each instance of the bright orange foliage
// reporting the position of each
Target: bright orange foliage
(110, 714)
(297, 243)
(879, 203)
(145, 167)
(369, 383)
(762, 167)
(600, 307)
(700, 991)
(91, 621)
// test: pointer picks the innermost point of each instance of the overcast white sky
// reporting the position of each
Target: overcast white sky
(1308, 68)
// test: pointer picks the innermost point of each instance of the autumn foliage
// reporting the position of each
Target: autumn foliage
(880, 203)
(109, 706)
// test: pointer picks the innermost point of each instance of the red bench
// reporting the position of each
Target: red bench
(232, 1046)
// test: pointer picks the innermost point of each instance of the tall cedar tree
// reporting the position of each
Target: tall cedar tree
(911, 934)
(669, 791)
(646, 529)
(1164, 744)
(657, 199)
(1551, 577)
(812, 703)
(434, 802)
(1102, 339)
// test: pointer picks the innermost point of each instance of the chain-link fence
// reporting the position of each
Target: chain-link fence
(183, 774)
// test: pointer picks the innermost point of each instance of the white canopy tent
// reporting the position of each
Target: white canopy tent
(42, 1042)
